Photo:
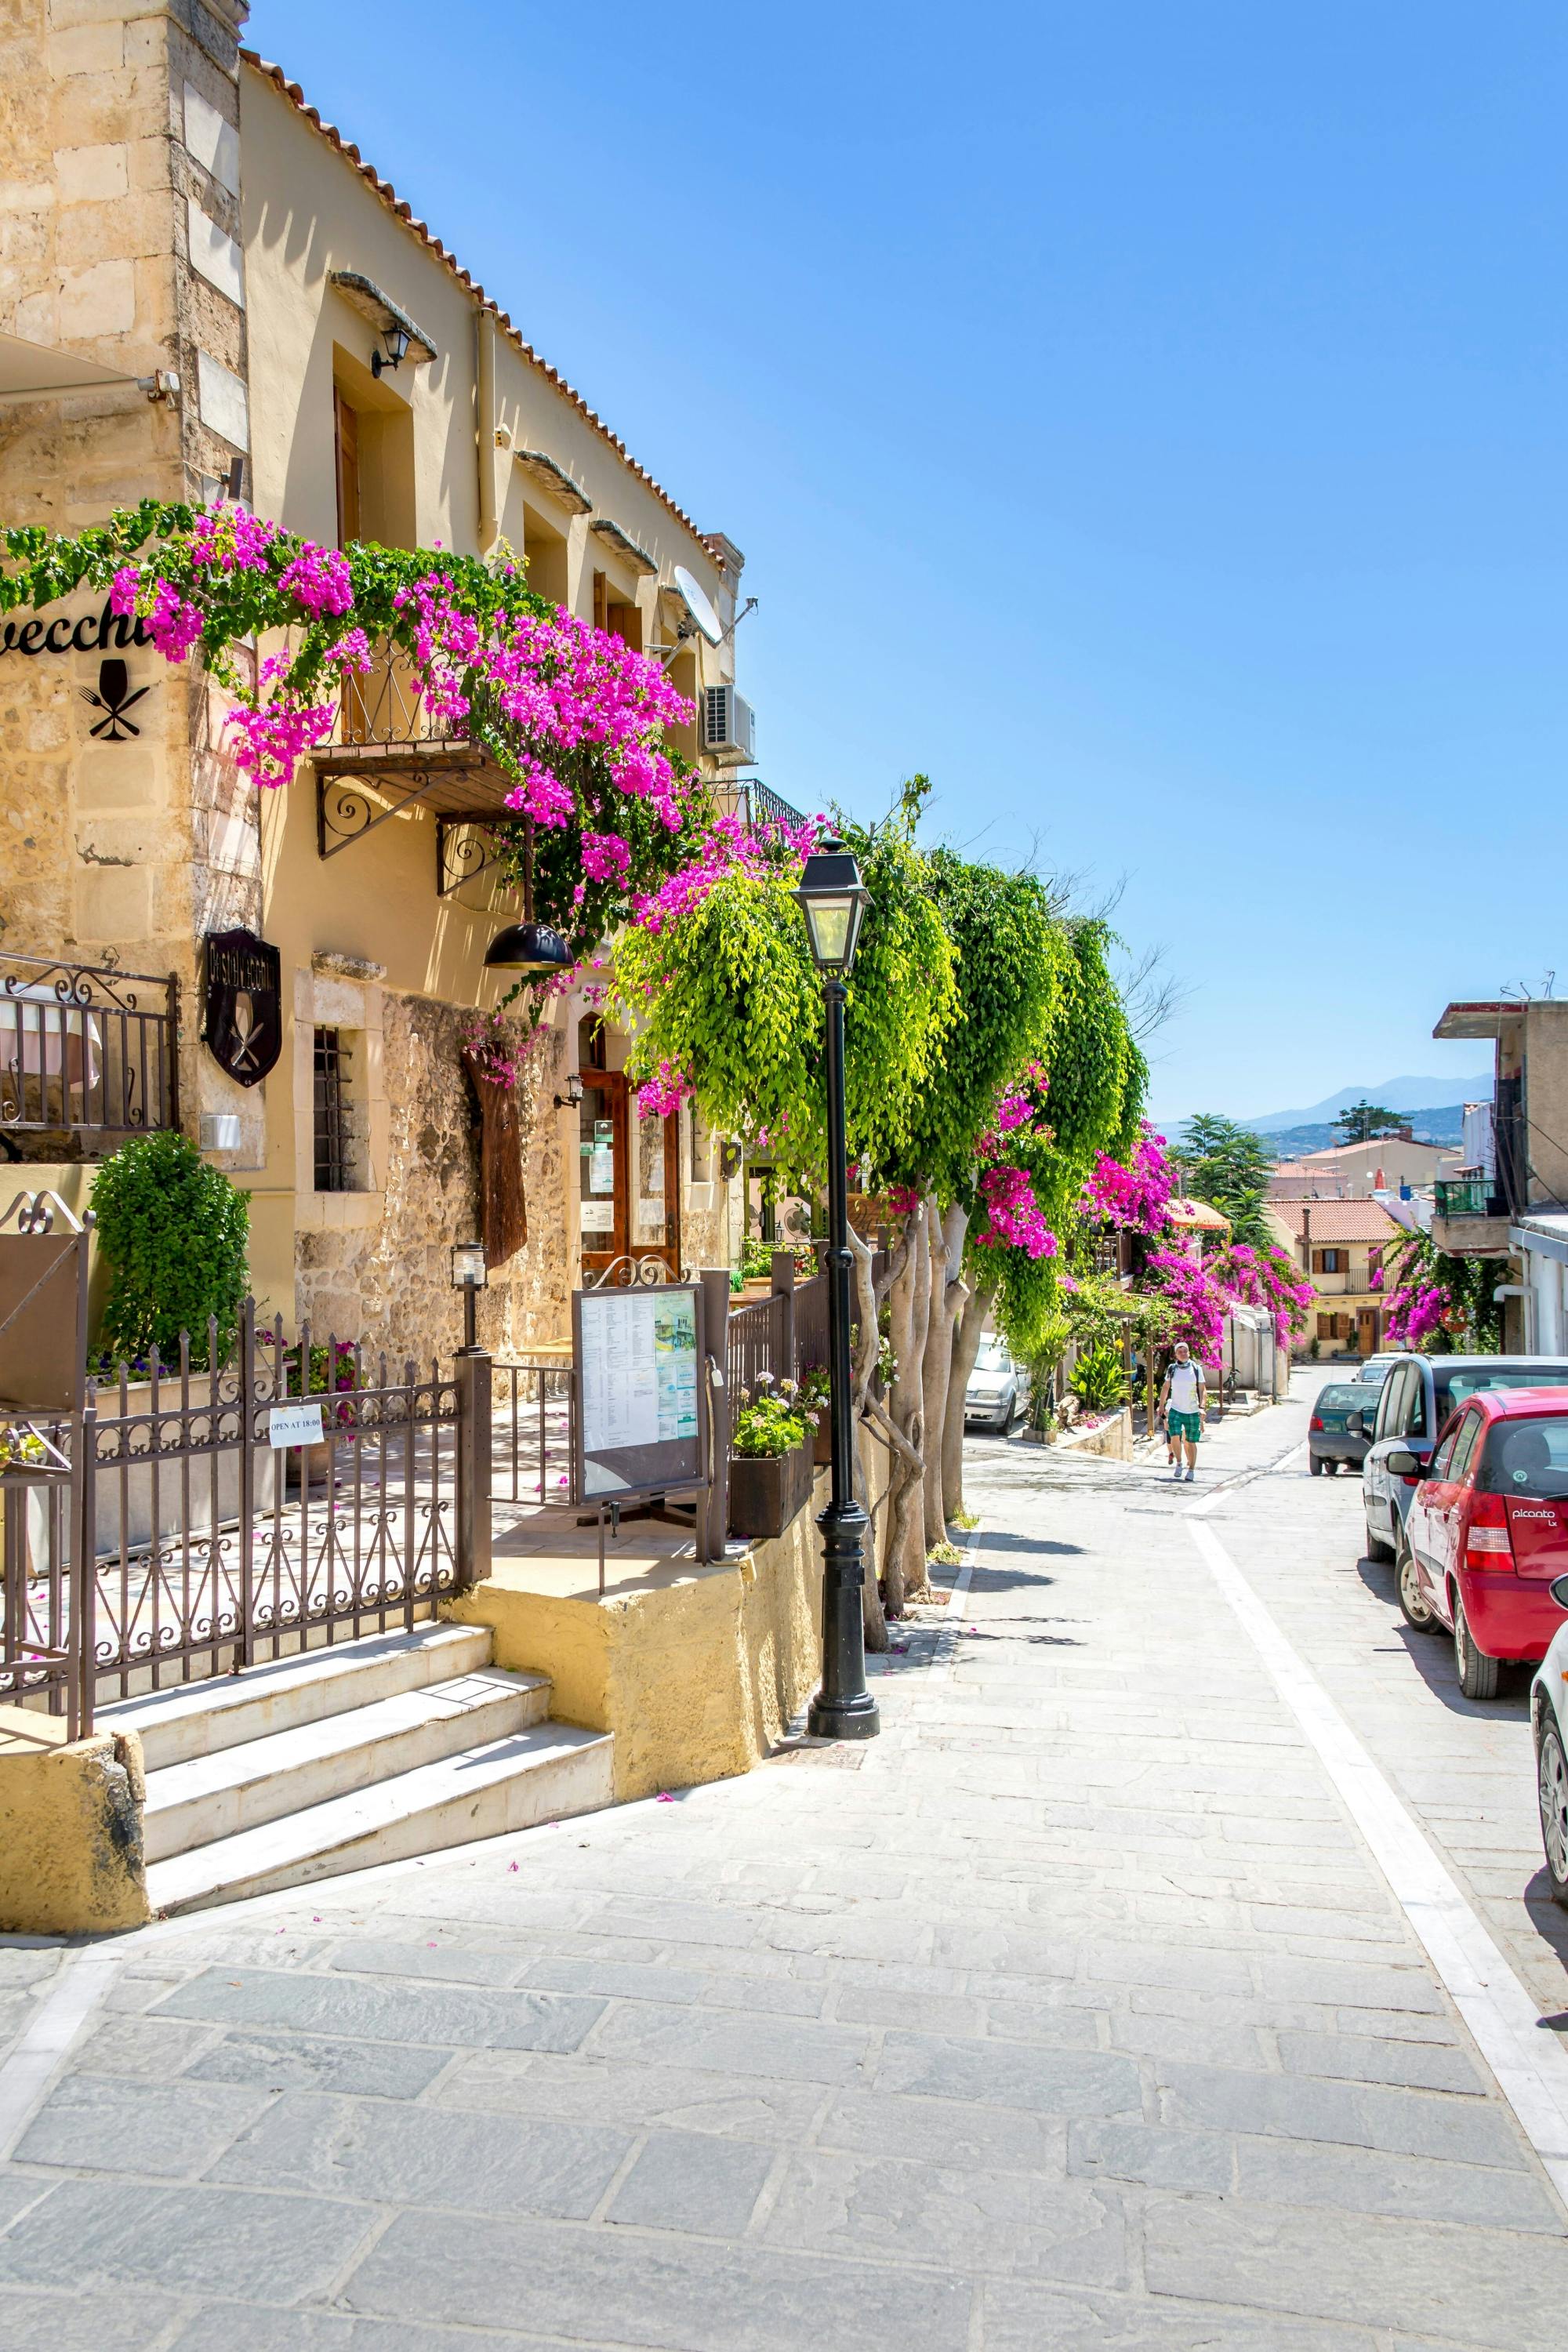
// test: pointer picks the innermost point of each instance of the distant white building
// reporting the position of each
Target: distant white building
(1358, 1172)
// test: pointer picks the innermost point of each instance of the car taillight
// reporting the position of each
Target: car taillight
(1316, 1422)
(1487, 1539)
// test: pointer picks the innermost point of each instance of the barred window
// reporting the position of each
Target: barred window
(332, 1155)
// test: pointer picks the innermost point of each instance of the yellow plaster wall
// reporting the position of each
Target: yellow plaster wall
(696, 1678)
(70, 1829)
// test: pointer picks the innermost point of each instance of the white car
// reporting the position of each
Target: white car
(998, 1388)
(1550, 1729)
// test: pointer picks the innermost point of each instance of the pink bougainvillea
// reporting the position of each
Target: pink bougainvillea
(544, 688)
(1417, 1312)
(605, 853)
(275, 735)
(320, 579)
(1014, 1219)
(663, 1093)
(1020, 1109)
(229, 538)
(729, 846)
(1266, 1278)
(562, 686)
(1198, 1298)
(172, 624)
(1133, 1197)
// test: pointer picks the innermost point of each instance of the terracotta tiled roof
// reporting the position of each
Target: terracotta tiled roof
(1336, 1221)
(404, 212)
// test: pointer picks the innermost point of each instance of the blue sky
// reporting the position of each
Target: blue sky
(1145, 419)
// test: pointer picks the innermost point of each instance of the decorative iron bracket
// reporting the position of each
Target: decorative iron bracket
(345, 811)
(466, 847)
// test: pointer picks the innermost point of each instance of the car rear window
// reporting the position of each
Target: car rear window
(1454, 1388)
(1344, 1399)
(1526, 1457)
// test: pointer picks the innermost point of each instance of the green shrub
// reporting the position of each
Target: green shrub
(174, 1232)
(1098, 1378)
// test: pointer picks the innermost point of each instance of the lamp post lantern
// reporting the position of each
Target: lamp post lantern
(834, 900)
(470, 1271)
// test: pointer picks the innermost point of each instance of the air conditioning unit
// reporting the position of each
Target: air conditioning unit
(729, 727)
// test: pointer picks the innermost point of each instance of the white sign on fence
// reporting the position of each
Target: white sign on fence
(295, 1424)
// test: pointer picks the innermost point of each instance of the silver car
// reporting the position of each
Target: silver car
(998, 1386)
(1418, 1395)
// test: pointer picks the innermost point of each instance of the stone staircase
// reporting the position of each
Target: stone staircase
(370, 1751)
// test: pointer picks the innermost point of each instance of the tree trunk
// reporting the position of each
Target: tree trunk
(966, 1338)
(867, 1344)
(948, 1293)
(911, 1298)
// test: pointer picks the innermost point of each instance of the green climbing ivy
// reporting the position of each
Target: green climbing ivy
(728, 997)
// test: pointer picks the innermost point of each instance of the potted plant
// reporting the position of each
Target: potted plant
(815, 1392)
(770, 1463)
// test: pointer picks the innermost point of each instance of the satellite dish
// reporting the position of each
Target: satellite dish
(694, 597)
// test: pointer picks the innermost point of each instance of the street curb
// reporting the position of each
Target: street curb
(939, 1665)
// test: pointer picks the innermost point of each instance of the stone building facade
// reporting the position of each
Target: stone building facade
(197, 279)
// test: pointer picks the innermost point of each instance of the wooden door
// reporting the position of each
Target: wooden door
(346, 423)
(654, 1167)
(628, 1182)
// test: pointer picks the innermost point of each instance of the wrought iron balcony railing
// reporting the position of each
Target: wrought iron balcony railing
(87, 1053)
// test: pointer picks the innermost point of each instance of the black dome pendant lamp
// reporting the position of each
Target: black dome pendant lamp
(528, 946)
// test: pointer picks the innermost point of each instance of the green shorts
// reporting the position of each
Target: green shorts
(1189, 1425)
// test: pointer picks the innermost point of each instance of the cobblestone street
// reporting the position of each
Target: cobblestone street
(1076, 2012)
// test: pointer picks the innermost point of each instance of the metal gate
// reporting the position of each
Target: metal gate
(167, 1537)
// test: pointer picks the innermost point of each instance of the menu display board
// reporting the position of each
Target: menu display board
(641, 1424)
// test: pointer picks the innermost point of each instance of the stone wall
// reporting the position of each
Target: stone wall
(103, 855)
(388, 1282)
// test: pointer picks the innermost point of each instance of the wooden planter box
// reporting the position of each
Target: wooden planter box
(766, 1490)
(822, 1441)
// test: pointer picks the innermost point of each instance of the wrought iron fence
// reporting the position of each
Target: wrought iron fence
(533, 1424)
(85, 1051)
(810, 1325)
(754, 1343)
(187, 1540)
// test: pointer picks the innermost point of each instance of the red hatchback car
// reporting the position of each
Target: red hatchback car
(1488, 1530)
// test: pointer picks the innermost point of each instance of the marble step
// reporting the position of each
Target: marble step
(202, 1718)
(544, 1774)
(238, 1789)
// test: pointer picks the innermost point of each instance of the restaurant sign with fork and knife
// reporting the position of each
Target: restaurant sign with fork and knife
(244, 1002)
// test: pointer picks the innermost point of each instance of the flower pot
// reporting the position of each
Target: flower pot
(314, 1463)
(766, 1491)
(822, 1441)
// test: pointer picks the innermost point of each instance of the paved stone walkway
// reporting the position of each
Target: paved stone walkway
(1073, 2013)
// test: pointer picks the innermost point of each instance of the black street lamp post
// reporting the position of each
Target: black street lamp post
(471, 1273)
(834, 899)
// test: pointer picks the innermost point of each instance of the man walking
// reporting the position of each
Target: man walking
(1182, 1399)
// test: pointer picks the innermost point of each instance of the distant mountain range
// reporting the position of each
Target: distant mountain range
(1441, 1123)
(1411, 1097)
